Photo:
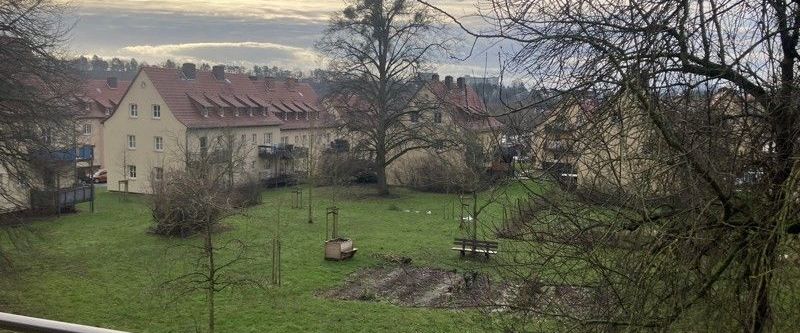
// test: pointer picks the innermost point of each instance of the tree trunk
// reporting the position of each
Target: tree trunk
(380, 170)
(209, 248)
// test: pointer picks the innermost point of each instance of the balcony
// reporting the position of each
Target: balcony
(558, 147)
(281, 151)
(83, 153)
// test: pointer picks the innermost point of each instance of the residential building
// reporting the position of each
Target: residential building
(99, 99)
(167, 115)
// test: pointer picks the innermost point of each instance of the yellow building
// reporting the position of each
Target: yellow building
(167, 115)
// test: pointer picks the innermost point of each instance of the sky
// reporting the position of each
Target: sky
(240, 32)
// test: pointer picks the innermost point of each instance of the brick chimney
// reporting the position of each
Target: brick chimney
(219, 72)
(189, 71)
(460, 83)
(448, 81)
(111, 82)
(435, 77)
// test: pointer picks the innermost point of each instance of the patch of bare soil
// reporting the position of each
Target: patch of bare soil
(418, 287)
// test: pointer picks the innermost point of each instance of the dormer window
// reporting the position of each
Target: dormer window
(250, 111)
(264, 112)
(221, 112)
(285, 116)
(236, 112)
(108, 111)
(306, 115)
(296, 116)
(205, 112)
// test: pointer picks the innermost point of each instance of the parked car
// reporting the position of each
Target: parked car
(101, 176)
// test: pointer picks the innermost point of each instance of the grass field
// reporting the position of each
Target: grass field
(104, 269)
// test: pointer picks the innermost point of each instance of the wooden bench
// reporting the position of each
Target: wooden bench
(473, 246)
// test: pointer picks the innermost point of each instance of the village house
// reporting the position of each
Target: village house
(168, 114)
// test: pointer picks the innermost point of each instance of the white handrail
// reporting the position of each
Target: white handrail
(26, 324)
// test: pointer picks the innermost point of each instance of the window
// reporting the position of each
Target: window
(134, 111)
(158, 173)
(132, 171)
(414, 116)
(267, 138)
(305, 138)
(254, 138)
(87, 129)
(131, 142)
(156, 111)
(108, 111)
(285, 140)
(236, 112)
(203, 143)
(158, 143)
(250, 111)
(244, 137)
(205, 112)
(296, 139)
(437, 117)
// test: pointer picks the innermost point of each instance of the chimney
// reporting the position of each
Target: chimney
(291, 83)
(460, 83)
(435, 77)
(448, 81)
(112, 82)
(189, 71)
(219, 72)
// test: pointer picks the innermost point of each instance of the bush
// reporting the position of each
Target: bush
(344, 169)
(185, 205)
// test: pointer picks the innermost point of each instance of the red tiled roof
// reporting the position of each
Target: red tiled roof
(100, 96)
(465, 105)
(185, 98)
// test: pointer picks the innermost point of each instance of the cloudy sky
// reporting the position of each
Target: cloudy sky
(245, 32)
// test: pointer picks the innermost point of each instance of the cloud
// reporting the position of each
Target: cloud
(247, 52)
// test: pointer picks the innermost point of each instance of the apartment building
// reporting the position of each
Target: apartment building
(169, 114)
(99, 99)
(459, 111)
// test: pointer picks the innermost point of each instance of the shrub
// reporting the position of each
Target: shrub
(344, 169)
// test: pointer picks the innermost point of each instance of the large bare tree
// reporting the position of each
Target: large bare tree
(686, 123)
(375, 50)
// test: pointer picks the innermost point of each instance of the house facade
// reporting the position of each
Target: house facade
(99, 98)
(167, 115)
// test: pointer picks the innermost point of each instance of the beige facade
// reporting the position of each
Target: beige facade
(130, 140)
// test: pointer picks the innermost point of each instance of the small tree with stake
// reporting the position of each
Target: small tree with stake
(194, 201)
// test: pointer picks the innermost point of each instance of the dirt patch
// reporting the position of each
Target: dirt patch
(418, 287)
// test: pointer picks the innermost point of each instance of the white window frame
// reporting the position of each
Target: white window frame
(158, 143)
(131, 142)
(89, 127)
(133, 110)
(156, 108)
(254, 138)
(267, 138)
(131, 171)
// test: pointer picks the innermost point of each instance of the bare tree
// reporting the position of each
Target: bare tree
(686, 139)
(376, 48)
(193, 200)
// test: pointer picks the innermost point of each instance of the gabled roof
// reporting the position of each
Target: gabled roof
(100, 96)
(185, 97)
(465, 105)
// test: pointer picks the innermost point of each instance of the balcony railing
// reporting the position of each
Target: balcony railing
(17, 323)
(83, 153)
(281, 151)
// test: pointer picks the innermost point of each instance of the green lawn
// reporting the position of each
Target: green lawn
(103, 269)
